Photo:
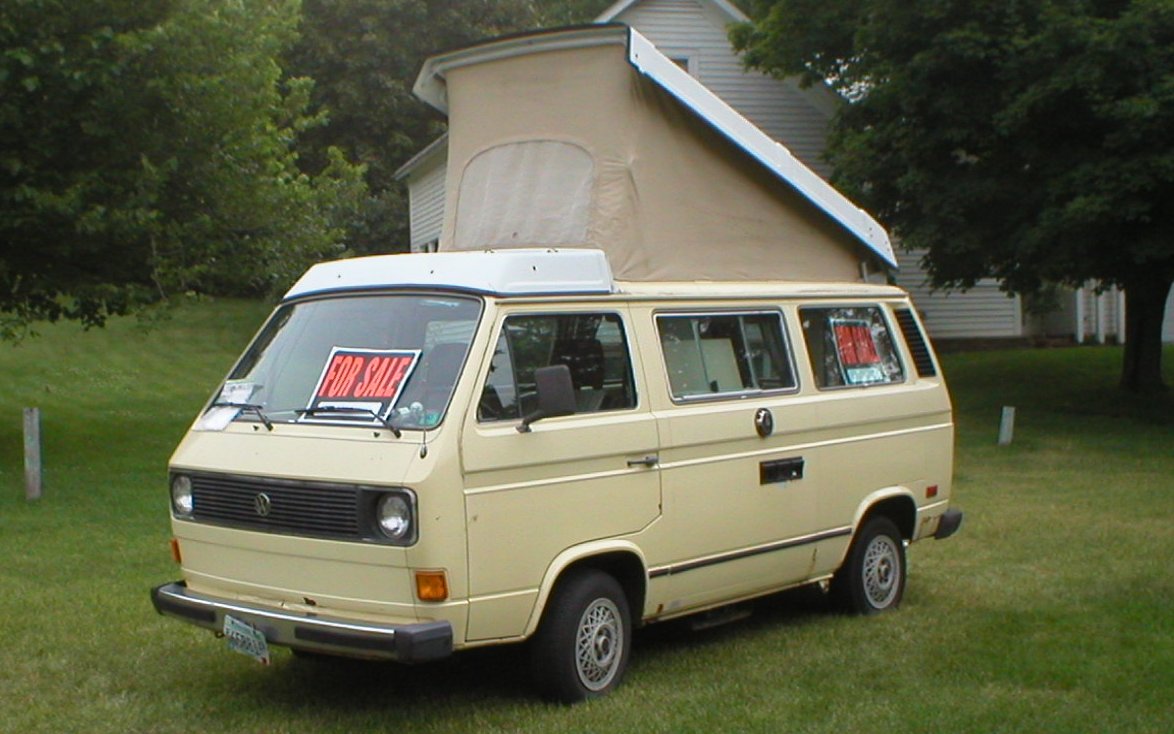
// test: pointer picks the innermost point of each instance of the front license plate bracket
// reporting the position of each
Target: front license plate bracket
(246, 639)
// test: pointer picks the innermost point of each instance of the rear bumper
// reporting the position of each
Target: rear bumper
(949, 523)
(405, 643)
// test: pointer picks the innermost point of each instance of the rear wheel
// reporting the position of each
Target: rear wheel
(581, 648)
(872, 579)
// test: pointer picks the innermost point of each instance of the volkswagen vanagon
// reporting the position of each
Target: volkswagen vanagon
(420, 454)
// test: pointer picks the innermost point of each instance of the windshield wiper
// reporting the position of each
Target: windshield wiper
(253, 408)
(327, 410)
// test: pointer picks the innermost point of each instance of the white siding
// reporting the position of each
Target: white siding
(1103, 314)
(981, 312)
(697, 31)
(426, 204)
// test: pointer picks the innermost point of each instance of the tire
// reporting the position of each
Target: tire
(872, 579)
(581, 648)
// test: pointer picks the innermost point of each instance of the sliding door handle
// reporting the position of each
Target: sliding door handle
(650, 460)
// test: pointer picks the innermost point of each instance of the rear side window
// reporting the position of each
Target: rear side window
(716, 354)
(850, 347)
(592, 346)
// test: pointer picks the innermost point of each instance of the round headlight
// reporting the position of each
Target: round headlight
(394, 516)
(181, 495)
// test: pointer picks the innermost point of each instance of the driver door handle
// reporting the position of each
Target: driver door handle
(650, 460)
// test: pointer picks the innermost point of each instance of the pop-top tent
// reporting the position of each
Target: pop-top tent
(590, 137)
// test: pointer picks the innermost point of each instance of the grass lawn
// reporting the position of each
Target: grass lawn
(1052, 610)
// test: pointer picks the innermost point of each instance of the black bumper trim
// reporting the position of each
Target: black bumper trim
(949, 524)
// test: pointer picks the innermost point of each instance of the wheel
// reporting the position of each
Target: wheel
(872, 579)
(581, 648)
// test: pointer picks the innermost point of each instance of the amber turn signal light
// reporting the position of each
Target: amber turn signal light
(175, 554)
(431, 586)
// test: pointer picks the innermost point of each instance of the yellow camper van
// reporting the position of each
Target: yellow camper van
(420, 454)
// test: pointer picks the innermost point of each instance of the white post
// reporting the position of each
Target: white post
(1100, 318)
(32, 453)
(1080, 315)
(1007, 426)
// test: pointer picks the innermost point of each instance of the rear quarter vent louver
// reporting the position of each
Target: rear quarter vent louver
(917, 344)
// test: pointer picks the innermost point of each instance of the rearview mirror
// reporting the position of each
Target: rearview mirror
(556, 394)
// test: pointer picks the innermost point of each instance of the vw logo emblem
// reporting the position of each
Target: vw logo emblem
(262, 504)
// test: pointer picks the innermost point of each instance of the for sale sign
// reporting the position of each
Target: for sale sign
(857, 353)
(363, 382)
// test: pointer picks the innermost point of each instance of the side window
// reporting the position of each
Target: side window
(850, 347)
(593, 346)
(712, 354)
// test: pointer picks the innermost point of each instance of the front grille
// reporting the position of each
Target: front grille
(282, 506)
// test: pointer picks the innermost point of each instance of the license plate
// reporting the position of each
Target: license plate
(246, 639)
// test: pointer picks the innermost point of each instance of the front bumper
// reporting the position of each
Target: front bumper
(405, 643)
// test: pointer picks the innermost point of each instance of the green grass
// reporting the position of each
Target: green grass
(1050, 611)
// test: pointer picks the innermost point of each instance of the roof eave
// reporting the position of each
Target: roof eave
(429, 153)
(727, 9)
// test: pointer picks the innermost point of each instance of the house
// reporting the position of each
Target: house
(692, 33)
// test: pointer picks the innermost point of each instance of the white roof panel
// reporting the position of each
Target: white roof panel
(505, 272)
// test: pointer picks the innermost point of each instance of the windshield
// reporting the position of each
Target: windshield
(355, 360)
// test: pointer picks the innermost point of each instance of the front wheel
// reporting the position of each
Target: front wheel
(581, 648)
(872, 579)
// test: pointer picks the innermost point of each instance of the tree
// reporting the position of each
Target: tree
(571, 12)
(1032, 141)
(364, 56)
(146, 148)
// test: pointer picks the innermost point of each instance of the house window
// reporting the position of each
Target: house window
(850, 347)
(686, 60)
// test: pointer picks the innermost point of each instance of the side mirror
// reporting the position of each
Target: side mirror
(556, 394)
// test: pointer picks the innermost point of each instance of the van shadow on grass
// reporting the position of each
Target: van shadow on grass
(333, 688)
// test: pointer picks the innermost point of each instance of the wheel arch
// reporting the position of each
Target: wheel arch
(895, 503)
(623, 561)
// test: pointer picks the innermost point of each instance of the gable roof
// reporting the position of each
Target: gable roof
(698, 100)
(436, 150)
(727, 9)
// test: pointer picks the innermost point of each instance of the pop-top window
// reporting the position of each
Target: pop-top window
(850, 347)
(360, 360)
(712, 354)
(591, 345)
(530, 192)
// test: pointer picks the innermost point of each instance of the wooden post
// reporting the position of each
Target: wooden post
(1007, 426)
(32, 453)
